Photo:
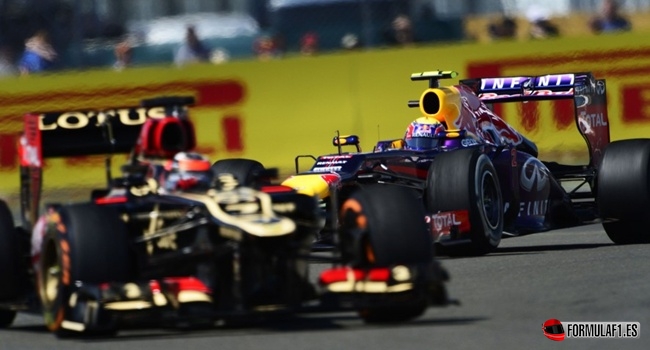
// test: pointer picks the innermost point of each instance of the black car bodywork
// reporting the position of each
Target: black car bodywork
(135, 253)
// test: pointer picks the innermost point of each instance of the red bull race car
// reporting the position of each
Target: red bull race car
(480, 179)
(176, 240)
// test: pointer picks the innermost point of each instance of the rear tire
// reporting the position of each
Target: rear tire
(245, 171)
(467, 180)
(83, 242)
(9, 255)
(384, 225)
(623, 191)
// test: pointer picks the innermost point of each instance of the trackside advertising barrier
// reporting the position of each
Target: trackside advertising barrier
(274, 110)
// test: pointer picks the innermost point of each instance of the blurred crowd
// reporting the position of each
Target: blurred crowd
(540, 24)
(39, 54)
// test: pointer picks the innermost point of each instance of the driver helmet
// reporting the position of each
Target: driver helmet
(187, 171)
(422, 134)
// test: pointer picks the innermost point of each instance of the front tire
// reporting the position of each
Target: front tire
(82, 242)
(382, 226)
(623, 191)
(467, 180)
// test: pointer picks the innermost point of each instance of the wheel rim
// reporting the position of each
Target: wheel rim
(369, 252)
(51, 275)
(354, 224)
(490, 200)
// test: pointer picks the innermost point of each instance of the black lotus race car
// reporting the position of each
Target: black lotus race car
(482, 179)
(175, 242)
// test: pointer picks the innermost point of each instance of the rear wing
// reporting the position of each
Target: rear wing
(588, 94)
(99, 132)
(87, 132)
(94, 132)
(534, 88)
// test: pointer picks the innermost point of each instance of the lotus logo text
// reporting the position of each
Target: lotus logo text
(79, 119)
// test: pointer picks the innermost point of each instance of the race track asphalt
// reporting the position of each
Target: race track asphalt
(574, 275)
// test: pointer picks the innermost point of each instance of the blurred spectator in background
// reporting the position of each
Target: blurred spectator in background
(309, 44)
(39, 55)
(7, 67)
(350, 41)
(122, 55)
(540, 25)
(267, 47)
(609, 19)
(401, 31)
(219, 55)
(542, 29)
(192, 50)
(503, 28)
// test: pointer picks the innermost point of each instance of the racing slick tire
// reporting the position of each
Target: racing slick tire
(9, 254)
(623, 191)
(9, 263)
(245, 171)
(467, 180)
(383, 225)
(81, 242)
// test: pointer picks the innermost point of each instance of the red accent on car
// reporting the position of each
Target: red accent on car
(186, 184)
(154, 286)
(342, 274)
(110, 200)
(29, 147)
(178, 284)
(159, 143)
(379, 274)
(165, 137)
(331, 178)
(277, 189)
(145, 134)
(192, 165)
(339, 274)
